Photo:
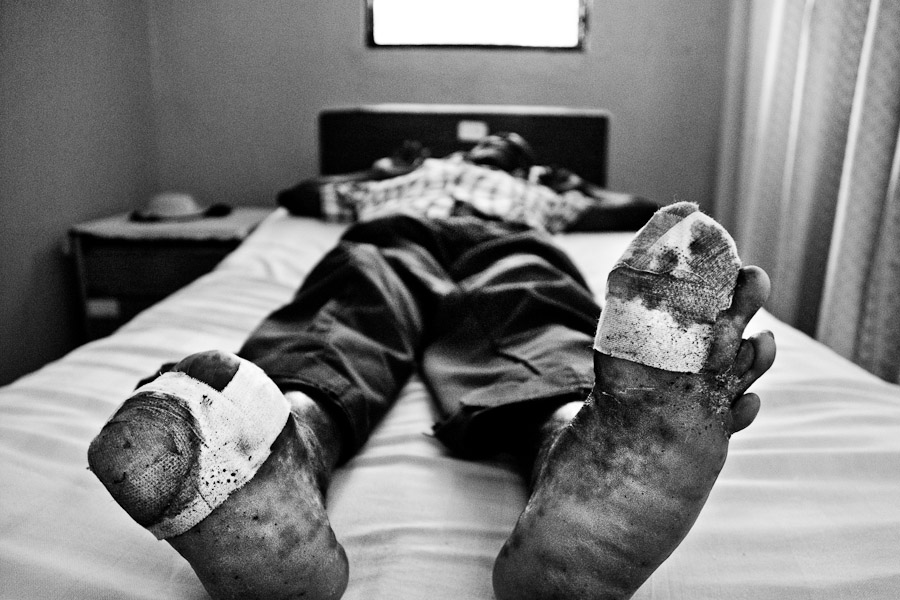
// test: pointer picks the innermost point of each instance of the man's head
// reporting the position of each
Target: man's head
(506, 151)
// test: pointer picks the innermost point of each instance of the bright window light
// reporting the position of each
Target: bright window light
(516, 23)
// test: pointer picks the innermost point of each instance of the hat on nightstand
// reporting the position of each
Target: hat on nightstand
(177, 206)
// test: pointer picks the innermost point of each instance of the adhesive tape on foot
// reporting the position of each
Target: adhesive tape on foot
(666, 291)
(236, 429)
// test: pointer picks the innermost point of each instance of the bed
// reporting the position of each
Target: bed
(808, 505)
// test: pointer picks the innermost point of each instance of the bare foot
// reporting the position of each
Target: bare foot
(619, 487)
(268, 538)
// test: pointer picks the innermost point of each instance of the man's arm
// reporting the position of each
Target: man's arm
(609, 211)
(614, 211)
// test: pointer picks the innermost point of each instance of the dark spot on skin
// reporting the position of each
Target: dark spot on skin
(514, 542)
(313, 533)
(288, 540)
(665, 431)
(584, 489)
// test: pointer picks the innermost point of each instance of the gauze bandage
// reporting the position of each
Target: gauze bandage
(236, 429)
(665, 292)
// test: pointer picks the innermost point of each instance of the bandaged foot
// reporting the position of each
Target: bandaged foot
(666, 291)
(214, 459)
(619, 487)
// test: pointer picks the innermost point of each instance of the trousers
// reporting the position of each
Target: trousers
(494, 317)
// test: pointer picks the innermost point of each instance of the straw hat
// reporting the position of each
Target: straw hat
(177, 206)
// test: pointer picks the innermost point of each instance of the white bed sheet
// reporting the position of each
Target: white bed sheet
(808, 505)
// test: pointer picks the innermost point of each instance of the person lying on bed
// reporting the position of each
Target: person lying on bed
(624, 422)
(497, 178)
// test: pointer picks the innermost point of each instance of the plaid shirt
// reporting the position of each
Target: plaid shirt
(444, 187)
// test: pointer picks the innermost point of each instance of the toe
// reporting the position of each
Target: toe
(763, 351)
(750, 293)
(754, 358)
(743, 412)
(213, 367)
(743, 362)
(142, 457)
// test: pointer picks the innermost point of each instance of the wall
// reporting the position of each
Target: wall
(238, 86)
(75, 143)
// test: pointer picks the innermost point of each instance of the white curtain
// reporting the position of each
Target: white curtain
(810, 164)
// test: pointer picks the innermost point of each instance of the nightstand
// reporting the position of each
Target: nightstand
(124, 266)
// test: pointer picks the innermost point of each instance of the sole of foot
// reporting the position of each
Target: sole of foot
(270, 538)
(622, 484)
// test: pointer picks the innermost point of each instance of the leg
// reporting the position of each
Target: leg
(332, 362)
(509, 347)
(620, 480)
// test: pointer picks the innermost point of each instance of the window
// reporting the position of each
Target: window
(555, 24)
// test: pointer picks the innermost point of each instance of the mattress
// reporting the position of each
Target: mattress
(806, 506)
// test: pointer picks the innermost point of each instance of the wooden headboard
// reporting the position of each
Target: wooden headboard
(352, 138)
